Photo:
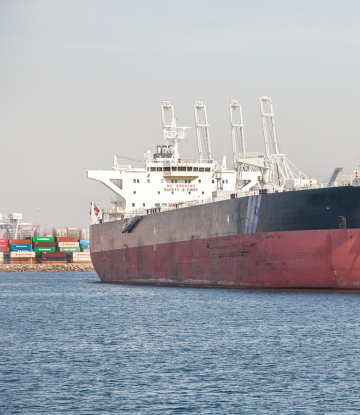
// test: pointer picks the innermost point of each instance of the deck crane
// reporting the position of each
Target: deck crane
(202, 130)
(280, 166)
(237, 129)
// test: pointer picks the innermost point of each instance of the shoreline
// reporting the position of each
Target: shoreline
(46, 268)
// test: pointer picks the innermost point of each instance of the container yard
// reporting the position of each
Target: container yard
(46, 249)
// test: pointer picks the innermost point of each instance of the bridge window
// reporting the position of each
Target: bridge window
(134, 192)
(213, 181)
(152, 168)
(189, 168)
(133, 205)
(159, 168)
(182, 169)
(174, 168)
(166, 168)
(207, 168)
(199, 181)
(162, 180)
(196, 169)
(201, 168)
(148, 180)
(143, 204)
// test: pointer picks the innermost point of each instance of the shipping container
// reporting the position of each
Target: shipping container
(81, 255)
(67, 244)
(81, 260)
(22, 247)
(45, 249)
(54, 254)
(66, 239)
(43, 239)
(22, 254)
(84, 241)
(86, 250)
(4, 249)
(54, 259)
(3, 245)
(4, 240)
(21, 261)
(18, 241)
(69, 249)
(44, 244)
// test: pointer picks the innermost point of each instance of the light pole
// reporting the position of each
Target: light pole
(39, 211)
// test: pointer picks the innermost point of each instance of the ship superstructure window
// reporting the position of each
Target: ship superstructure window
(189, 168)
(117, 182)
(148, 180)
(133, 205)
(158, 192)
(196, 168)
(134, 180)
(199, 181)
(166, 168)
(203, 193)
(162, 180)
(174, 168)
(207, 168)
(201, 168)
(164, 205)
(157, 204)
(158, 168)
(213, 181)
(143, 204)
(173, 181)
(134, 192)
(182, 169)
(152, 168)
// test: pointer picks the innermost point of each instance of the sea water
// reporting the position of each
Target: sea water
(70, 345)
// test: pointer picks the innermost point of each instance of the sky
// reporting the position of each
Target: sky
(83, 80)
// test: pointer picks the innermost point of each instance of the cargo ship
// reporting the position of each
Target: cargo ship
(196, 223)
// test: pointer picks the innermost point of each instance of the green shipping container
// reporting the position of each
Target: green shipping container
(43, 239)
(70, 249)
(44, 249)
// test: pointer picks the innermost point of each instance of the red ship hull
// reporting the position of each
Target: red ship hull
(321, 259)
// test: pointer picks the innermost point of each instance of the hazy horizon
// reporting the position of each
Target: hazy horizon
(83, 80)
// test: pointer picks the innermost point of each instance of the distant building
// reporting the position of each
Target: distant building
(40, 232)
(72, 232)
(57, 232)
(84, 233)
(25, 232)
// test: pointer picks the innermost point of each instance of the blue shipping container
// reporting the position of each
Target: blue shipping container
(84, 241)
(20, 247)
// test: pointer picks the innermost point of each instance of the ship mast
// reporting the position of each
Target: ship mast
(170, 131)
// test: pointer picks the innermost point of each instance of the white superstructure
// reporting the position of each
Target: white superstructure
(168, 180)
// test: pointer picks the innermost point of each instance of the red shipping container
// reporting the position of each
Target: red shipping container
(54, 254)
(66, 239)
(44, 244)
(2, 244)
(19, 241)
(4, 249)
(4, 241)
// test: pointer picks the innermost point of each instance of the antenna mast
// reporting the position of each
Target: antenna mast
(202, 130)
(169, 128)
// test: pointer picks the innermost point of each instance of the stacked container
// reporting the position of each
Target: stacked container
(68, 244)
(20, 251)
(4, 248)
(54, 257)
(85, 245)
(83, 257)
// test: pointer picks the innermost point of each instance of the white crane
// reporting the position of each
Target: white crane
(280, 166)
(202, 130)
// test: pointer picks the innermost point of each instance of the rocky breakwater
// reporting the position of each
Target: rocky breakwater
(46, 268)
